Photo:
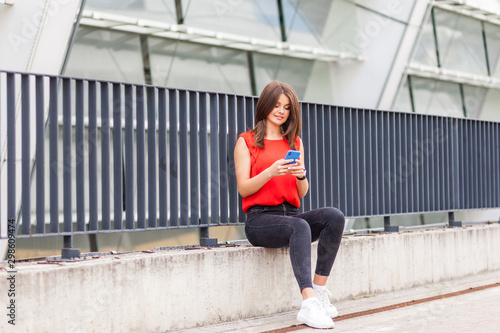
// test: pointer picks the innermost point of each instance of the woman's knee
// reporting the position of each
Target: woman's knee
(334, 216)
(301, 227)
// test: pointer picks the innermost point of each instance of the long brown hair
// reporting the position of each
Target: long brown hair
(267, 101)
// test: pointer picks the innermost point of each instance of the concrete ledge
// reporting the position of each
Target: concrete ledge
(168, 290)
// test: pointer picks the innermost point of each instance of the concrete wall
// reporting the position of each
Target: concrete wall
(167, 290)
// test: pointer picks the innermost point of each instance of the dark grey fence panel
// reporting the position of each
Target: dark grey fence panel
(53, 158)
(117, 157)
(162, 156)
(141, 158)
(25, 154)
(105, 157)
(40, 156)
(129, 158)
(313, 155)
(214, 158)
(342, 159)
(306, 201)
(67, 152)
(204, 161)
(11, 147)
(193, 158)
(365, 162)
(183, 158)
(223, 176)
(92, 142)
(151, 105)
(79, 157)
(174, 162)
(231, 142)
(328, 147)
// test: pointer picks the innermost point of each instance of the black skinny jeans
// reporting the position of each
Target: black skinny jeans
(282, 225)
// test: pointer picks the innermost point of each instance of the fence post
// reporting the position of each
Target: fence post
(68, 252)
(205, 239)
(451, 220)
(388, 227)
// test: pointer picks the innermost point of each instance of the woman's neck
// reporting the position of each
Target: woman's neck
(273, 132)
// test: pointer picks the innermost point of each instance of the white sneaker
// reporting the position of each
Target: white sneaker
(312, 314)
(324, 298)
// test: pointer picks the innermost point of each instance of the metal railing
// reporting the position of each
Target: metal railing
(96, 179)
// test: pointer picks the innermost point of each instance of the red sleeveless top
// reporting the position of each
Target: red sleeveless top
(278, 189)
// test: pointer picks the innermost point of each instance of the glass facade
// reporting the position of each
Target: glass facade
(460, 43)
(190, 65)
(462, 46)
(197, 63)
(107, 55)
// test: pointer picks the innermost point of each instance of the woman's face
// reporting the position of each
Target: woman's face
(280, 112)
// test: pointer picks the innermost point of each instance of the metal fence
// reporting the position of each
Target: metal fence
(170, 163)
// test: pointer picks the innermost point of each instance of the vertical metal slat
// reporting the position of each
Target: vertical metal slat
(151, 105)
(80, 159)
(184, 153)
(313, 160)
(342, 162)
(141, 157)
(355, 172)
(335, 158)
(117, 157)
(68, 211)
(306, 141)
(162, 156)
(129, 158)
(193, 157)
(214, 160)
(40, 156)
(26, 155)
(105, 157)
(223, 182)
(174, 162)
(328, 142)
(53, 156)
(11, 147)
(204, 163)
(233, 188)
(320, 139)
(92, 139)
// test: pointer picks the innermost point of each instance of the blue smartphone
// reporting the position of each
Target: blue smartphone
(292, 155)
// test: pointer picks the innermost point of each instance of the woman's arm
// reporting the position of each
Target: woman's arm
(298, 171)
(242, 165)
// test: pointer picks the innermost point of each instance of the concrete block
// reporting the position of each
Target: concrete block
(177, 289)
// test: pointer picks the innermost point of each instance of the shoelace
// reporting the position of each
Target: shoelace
(315, 305)
(324, 296)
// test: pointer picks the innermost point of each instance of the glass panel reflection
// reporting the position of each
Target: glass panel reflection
(403, 100)
(460, 43)
(437, 97)
(197, 66)
(321, 23)
(106, 55)
(425, 54)
(158, 10)
(473, 99)
(257, 18)
(293, 71)
(493, 41)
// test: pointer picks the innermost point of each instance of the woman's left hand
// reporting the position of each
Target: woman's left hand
(296, 169)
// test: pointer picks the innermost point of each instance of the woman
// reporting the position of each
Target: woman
(271, 189)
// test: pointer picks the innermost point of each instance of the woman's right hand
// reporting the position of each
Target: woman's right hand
(279, 168)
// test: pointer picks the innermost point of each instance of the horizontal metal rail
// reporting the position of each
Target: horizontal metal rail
(112, 156)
